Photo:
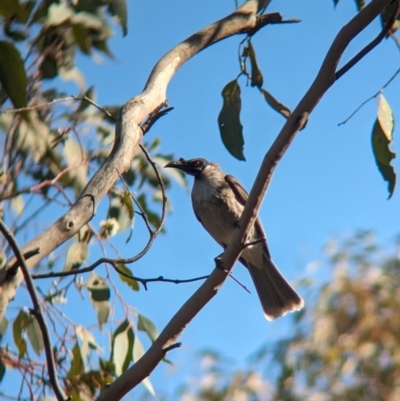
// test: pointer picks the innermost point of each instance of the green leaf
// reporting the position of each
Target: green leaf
(12, 74)
(127, 202)
(3, 326)
(386, 118)
(138, 352)
(229, 120)
(130, 281)
(35, 335)
(77, 364)
(383, 155)
(20, 324)
(275, 104)
(124, 327)
(256, 75)
(146, 325)
(76, 255)
(119, 9)
(99, 295)
(121, 345)
(83, 105)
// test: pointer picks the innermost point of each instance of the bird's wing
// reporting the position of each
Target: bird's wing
(242, 196)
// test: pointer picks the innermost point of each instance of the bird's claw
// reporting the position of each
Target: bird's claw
(219, 264)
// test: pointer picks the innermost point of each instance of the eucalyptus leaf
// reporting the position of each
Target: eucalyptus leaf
(230, 127)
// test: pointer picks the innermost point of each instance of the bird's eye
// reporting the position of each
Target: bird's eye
(197, 164)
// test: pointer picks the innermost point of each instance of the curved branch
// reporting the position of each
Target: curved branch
(37, 311)
(128, 134)
(324, 80)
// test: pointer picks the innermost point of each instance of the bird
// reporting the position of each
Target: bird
(218, 200)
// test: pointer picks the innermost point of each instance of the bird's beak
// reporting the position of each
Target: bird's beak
(179, 164)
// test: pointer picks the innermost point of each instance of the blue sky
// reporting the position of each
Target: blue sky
(327, 184)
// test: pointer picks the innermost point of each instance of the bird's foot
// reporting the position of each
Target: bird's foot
(219, 264)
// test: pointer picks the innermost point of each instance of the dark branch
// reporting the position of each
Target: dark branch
(37, 312)
(371, 45)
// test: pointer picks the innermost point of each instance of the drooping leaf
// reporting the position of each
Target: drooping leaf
(12, 74)
(99, 295)
(121, 345)
(35, 335)
(77, 363)
(386, 118)
(256, 75)
(77, 254)
(83, 105)
(146, 325)
(88, 341)
(275, 104)
(73, 155)
(20, 324)
(130, 281)
(119, 9)
(138, 352)
(3, 326)
(230, 127)
(383, 156)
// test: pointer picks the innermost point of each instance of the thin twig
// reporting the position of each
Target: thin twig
(370, 45)
(370, 98)
(114, 263)
(37, 312)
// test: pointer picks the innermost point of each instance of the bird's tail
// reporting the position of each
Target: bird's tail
(276, 295)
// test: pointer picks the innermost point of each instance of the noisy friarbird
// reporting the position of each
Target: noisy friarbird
(218, 201)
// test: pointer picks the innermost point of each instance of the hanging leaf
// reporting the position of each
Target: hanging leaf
(382, 135)
(275, 104)
(229, 120)
(146, 325)
(20, 324)
(12, 74)
(35, 335)
(138, 352)
(124, 327)
(99, 295)
(76, 255)
(83, 105)
(3, 326)
(119, 9)
(77, 364)
(256, 75)
(121, 345)
(130, 281)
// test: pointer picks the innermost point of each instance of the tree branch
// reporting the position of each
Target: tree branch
(128, 134)
(37, 312)
(324, 80)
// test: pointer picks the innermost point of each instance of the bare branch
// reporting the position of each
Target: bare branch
(324, 80)
(370, 98)
(371, 45)
(37, 312)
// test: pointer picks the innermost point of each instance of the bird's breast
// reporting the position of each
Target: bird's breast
(217, 209)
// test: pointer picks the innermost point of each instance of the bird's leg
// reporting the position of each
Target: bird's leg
(218, 263)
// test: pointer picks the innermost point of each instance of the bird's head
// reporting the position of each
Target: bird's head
(192, 167)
